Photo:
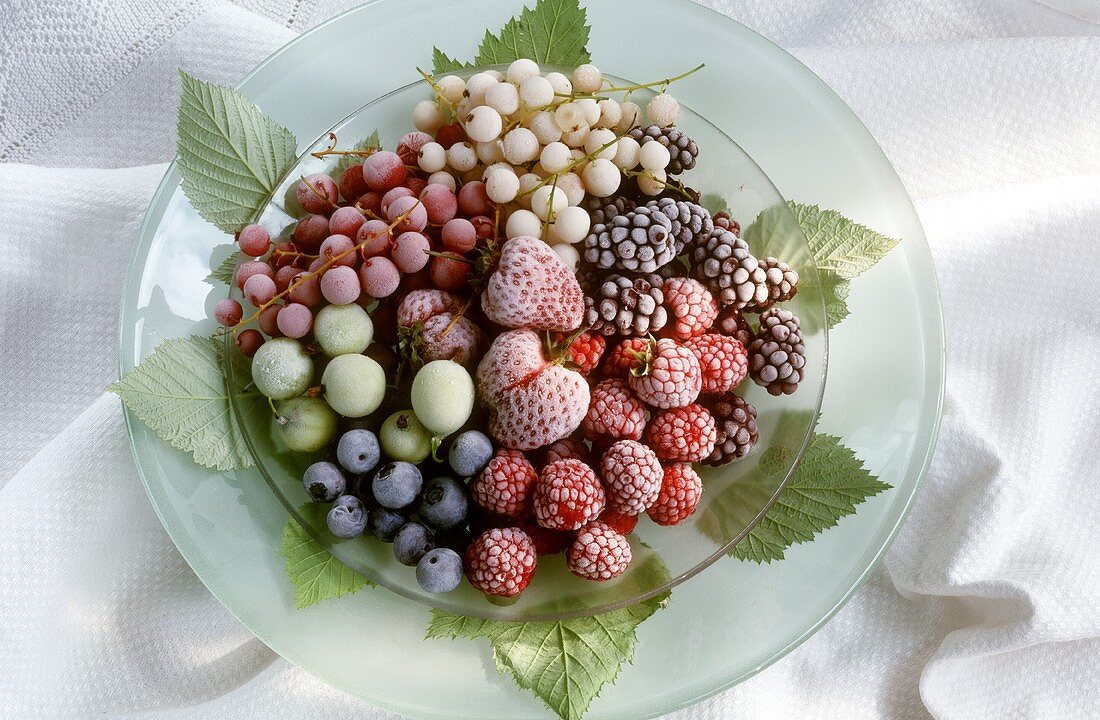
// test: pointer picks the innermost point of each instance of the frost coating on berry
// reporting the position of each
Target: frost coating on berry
(777, 357)
(532, 288)
(501, 561)
(671, 378)
(599, 553)
(681, 489)
(735, 421)
(565, 449)
(614, 412)
(632, 476)
(568, 495)
(585, 351)
(691, 307)
(419, 305)
(722, 261)
(723, 360)
(623, 357)
(685, 434)
(446, 337)
(505, 485)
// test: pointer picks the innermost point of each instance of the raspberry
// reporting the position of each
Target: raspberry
(620, 523)
(565, 449)
(599, 553)
(614, 412)
(669, 377)
(680, 492)
(735, 421)
(585, 351)
(501, 561)
(690, 306)
(505, 485)
(623, 357)
(547, 541)
(723, 360)
(568, 495)
(685, 434)
(631, 475)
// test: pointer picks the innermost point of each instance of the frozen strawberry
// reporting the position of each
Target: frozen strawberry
(532, 288)
(532, 401)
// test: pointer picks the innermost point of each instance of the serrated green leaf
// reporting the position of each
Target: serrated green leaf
(225, 271)
(443, 63)
(553, 32)
(231, 157)
(564, 663)
(827, 486)
(315, 574)
(180, 393)
(713, 202)
(835, 292)
(368, 143)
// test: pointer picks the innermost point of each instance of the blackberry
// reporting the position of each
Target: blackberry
(626, 306)
(601, 210)
(782, 282)
(680, 146)
(723, 263)
(724, 221)
(731, 322)
(735, 420)
(639, 240)
(689, 221)
(776, 355)
(589, 276)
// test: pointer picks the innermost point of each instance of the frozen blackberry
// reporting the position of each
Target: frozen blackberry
(639, 240)
(723, 220)
(777, 356)
(782, 283)
(590, 277)
(731, 322)
(602, 210)
(735, 420)
(681, 147)
(723, 263)
(689, 221)
(626, 306)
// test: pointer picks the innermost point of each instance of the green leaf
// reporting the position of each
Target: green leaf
(835, 292)
(713, 202)
(225, 271)
(553, 32)
(371, 142)
(827, 486)
(231, 157)
(180, 393)
(443, 63)
(564, 663)
(314, 572)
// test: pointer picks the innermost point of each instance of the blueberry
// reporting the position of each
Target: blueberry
(324, 481)
(439, 571)
(397, 484)
(384, 524)
(470, 453)
(443, 502)
(358, 451)
(412, 541)
(347, 518)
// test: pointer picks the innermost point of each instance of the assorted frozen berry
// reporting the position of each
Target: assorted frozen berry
(513, 333)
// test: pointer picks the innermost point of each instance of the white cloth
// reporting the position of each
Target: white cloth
(988, 603)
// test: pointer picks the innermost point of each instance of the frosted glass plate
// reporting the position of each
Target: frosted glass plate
(883, 398)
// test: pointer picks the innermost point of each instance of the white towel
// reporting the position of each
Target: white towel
(988, 605)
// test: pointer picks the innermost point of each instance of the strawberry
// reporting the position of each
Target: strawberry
(532, 401)
(532, 288)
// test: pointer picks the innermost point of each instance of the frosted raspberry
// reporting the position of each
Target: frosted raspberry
(723, 360)
(680, 492)
(617, 521)
(599, 553)
(547, 541)
(631, 476)
(670, 377)
(568, 495)
(501, 561)
(585, 351)
(691, 308)
(623, 357)
(684, 434)
(565, 449)
(505, 487)
(614, 412)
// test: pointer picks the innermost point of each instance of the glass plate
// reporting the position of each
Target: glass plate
(884, 395)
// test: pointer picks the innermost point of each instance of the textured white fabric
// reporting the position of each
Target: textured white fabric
(990, 116)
